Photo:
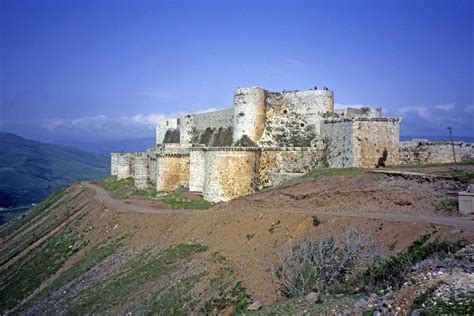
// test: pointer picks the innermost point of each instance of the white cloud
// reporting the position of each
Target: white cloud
(138, 125)
(160, 94)
(295, 62)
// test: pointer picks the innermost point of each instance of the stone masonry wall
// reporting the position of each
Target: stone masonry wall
(364, 112)
(124, 166)
(193, 124)
(197, 171)
(114, 164)
(229, 174)
(165, 126)
(140, 171)
(277, 166)
(339, 136)
(376, 142)
(422, 152)
(249, 113)
(172, 173)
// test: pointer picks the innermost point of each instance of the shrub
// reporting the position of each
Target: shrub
(392, 271)
(310, 265)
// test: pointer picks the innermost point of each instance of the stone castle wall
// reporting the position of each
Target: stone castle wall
(114, 164)
(173, 172)
(124, 169)
(249, 113)
(340, 142)
(268, 138)
(362, 142)
(376, 142)
(423, 152)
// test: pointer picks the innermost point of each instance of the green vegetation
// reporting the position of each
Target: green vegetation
(329, 172)
(40, 225)
(296, 306)
(431, 165)
(464, 176)
(176, 200)
(94, 256)
(223, 291)
(31, 170)
(392, 271)
(32, 215)
(316, 220)
(429, 304)
(119, 188)
(144, 269)
(447, 205)
(176, 300)
(21, 278)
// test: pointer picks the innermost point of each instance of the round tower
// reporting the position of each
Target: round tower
(324, 100)
(249, 113)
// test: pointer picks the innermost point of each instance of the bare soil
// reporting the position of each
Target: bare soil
(395, 209)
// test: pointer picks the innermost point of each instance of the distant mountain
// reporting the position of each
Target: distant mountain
(104, 147)
(31, 170)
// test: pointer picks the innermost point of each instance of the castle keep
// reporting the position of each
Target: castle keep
(265, 139)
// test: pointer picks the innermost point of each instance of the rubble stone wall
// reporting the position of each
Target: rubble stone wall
(339, 136)
(140, 171)
(376, 142)
(249, 113)
(124, 166)
(229, 174)
(197, 171)
(422, 152)
(114, 164)
(172, 173)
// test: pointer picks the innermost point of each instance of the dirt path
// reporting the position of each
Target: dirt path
(459, 222)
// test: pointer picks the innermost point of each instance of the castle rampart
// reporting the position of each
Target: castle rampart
(268, 138)
(249, 113)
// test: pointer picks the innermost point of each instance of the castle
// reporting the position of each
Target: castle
(268, 138)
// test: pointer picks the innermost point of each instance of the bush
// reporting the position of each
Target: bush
(392, 271)
(310, 265)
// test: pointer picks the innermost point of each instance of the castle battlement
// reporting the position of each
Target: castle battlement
(267, 138)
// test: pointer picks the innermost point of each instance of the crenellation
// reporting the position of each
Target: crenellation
(268, 138)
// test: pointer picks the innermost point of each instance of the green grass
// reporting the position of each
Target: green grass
(431, 165)
(447, 205)
(56, 213)
(328, 172)
(461, 304)
(119, 188)
(392, 271)
(33, 214)
(175, 301)
(146, 268)
(464, 177)
(94, 256)
(21, 278)
(176, 201)
(300, 307)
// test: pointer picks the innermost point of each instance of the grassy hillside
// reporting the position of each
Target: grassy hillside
(77, 253)
(31, 170)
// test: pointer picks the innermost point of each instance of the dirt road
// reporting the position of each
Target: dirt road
(111, 203)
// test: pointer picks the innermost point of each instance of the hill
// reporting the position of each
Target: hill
(105, 147)
(31, 170)
(85, 250)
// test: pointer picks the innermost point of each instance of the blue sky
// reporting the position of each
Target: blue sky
(88, 70)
